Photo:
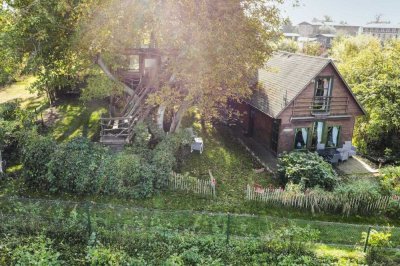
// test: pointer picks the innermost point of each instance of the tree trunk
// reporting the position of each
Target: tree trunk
(1, 163)
(177, 119)
(160, 116)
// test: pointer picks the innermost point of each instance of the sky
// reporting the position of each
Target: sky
(357, 12)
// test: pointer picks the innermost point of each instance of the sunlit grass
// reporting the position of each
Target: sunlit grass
(343, 255)
(77, 120)
(17, 90)
(229, 162)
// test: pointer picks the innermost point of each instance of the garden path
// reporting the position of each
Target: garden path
(356, 165)
(264, 156)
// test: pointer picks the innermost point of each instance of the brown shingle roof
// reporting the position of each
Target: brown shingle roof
(283, 78)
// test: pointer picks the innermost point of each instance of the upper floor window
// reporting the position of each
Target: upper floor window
(134, 62)
(323, 89)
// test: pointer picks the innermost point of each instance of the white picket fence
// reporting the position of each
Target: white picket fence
(194, 185)
(317, 202)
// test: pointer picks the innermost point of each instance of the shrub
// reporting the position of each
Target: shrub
(74, 166)
(36, 153)
(129, 176)
(164, 157)
(37, 252)
(9, 110)
(101, 255)
(306, 169)
(359, 187)
(293, 240)
(390, 180)
(377, 242)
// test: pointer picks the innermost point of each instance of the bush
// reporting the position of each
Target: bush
(126, 174)
(37, 252)
(74, 167)
(377, 242)
(9, 110)
(390, 180)
(36, 153)
(306, 169)
(82, 167)
(100, 255)
(359, 187)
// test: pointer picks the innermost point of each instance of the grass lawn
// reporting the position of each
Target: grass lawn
(70, 117)
(17, 90)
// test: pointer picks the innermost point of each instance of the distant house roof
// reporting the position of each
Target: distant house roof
(326, 35)
(291, 34)
(311, 23)
(306, 39)
(327, 23)
(285, 75)
(382, 26)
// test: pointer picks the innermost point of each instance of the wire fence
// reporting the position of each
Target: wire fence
(25, 215)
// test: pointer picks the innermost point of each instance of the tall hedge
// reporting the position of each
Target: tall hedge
(36, 153)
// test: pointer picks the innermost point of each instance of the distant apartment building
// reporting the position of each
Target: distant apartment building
(383, 31)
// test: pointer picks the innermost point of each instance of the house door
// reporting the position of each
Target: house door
(250, 130)
(275, 134)
(317, 137)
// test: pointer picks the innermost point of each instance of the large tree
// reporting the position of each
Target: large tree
(41, 35)
(215, 47)
(372, 70)
(218, 46)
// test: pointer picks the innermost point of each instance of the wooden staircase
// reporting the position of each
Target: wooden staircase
(118, 129)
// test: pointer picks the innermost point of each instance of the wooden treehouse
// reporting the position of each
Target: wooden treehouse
(140, 79)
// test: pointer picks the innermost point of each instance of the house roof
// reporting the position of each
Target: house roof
(291, 34)
(382, 26)
(284, 76)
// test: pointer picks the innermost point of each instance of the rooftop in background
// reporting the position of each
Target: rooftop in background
(326, 23)
(382, 25)
(290, 34)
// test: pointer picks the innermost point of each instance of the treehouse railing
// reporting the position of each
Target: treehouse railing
(119, 127)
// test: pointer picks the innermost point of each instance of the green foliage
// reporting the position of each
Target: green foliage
(359, 187)
(390, 180)
(306, 169)
(74, 165)
(312, 48)
(80, 166)
(376, 243)
(11, 60)
(164, 157)
(9, 110)
(288, 46)
(293, 240)
(128, 175)
(372, 71)
(36, 153)
(99, 87)
(100, 255)
(37, 252)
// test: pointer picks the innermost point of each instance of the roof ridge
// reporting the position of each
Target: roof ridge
(304, 55)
